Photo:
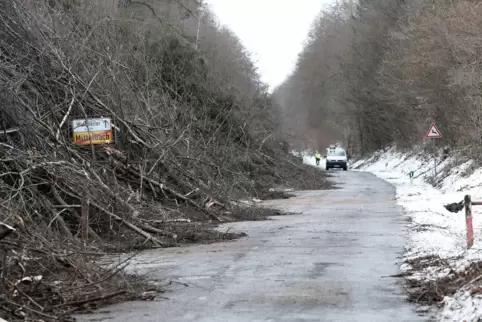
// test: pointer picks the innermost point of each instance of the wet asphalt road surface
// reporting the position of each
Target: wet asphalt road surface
(329, 262)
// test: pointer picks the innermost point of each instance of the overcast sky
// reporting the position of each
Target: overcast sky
(272, 30)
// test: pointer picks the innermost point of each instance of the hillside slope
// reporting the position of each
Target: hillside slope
(195, 131)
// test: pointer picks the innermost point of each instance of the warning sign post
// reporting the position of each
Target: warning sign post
(92, 131)
(433, 133)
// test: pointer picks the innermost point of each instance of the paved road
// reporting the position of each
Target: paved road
(326, 264)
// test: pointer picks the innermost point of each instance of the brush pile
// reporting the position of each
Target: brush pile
(186, 147)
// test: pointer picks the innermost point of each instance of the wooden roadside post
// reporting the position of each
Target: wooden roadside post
(84, 220)
(468, 221)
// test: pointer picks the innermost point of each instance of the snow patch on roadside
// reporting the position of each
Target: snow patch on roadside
(432, 229)
(462, 307)
(309, 158)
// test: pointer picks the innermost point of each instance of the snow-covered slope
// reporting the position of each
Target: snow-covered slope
(309, 158)
(432, 230)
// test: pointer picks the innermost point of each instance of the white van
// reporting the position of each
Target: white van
(336, 158)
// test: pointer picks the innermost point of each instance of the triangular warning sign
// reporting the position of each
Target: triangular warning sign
(433, 132)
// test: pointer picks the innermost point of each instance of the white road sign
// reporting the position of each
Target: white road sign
(94, 124)
(433, 132)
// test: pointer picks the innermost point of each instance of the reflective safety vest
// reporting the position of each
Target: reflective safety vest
(318, 156)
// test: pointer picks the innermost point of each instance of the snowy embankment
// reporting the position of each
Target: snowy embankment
(309, 158)
(433, 231)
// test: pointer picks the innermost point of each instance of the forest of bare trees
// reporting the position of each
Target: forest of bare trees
(378, 72)
(195, 132)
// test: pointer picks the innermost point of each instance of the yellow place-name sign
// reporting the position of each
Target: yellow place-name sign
(93, 137)
(92, 131)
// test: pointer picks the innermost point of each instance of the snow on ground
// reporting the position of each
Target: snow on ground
(309, 158)
(432, 229)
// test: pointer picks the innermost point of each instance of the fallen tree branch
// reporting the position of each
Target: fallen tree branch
(66, 206)
(57, 217)
(163, 187)
(153, 230)
(133, 211)
(53, 318)
(180, 196)
(93, 299)
(129, 225)
(117, 218)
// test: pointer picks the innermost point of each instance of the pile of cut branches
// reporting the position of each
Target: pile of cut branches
(47, 281)
(433, 291)
(184, 152)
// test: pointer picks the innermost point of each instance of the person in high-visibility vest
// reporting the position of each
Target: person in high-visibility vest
(317, 158)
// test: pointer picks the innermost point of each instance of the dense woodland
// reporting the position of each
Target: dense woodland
(195, 132)
(378, 72)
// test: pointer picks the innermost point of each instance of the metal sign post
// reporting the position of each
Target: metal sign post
(433, 133)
